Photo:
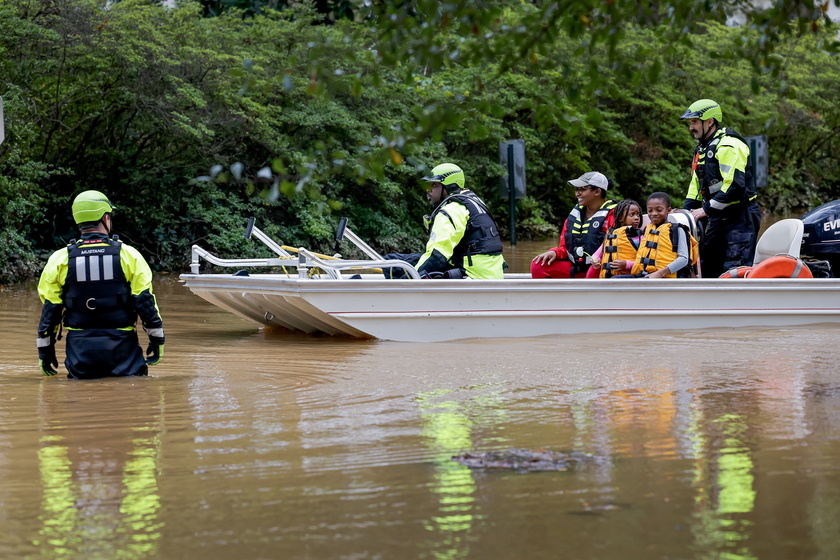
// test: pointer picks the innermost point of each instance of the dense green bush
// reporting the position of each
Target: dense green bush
(193, 124)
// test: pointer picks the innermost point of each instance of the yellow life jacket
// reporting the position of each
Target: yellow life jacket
(658, 249)
(618, 245)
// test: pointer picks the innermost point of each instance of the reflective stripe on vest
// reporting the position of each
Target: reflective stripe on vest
(89, 268)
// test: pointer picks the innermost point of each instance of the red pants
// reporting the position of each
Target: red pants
(560, 268)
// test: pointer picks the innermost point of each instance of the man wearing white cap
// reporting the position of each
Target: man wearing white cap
(583, 233)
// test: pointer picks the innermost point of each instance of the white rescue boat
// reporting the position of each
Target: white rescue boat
(343, 299)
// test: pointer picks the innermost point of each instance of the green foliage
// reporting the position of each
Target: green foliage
(21, 198)
(329, 10)
(297, 123)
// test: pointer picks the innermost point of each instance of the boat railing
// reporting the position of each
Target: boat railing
(304, 262)
(199, 253)
(253, 230)
(344, 232)
(314, 261)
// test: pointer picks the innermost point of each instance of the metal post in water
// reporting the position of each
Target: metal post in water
(511, 194)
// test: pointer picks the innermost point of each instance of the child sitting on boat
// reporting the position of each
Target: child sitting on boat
(667, 248)
(617, 254)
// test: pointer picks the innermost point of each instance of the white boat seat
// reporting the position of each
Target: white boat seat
(783, 237)
(686, 218)
(678, 216)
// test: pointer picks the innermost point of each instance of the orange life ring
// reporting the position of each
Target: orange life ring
(781, 266)
(737, 272)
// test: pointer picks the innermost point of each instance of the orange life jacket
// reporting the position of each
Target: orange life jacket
(659, 249)
(618, 245)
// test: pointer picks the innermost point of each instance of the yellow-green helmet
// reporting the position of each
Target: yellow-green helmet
(703, 109)
(90, 206)
(449, 175)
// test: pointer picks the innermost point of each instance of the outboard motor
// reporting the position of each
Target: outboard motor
(821, 238)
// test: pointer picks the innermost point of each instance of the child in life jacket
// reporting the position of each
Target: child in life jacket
(666, 247)
(617, 254)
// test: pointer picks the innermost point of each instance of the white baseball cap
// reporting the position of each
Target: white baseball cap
(591, 179)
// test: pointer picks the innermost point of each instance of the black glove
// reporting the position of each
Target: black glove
(46, 358)
(155, 350)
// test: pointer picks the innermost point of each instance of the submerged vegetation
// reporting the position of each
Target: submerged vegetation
(193, 118)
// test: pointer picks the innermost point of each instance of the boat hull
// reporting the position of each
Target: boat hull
(439, 310)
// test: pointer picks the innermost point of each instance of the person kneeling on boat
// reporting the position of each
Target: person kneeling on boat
(463, 236)
(667, 249)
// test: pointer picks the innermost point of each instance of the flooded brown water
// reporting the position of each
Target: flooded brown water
(249, 444)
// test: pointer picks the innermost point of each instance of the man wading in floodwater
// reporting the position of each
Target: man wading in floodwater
(100, 286)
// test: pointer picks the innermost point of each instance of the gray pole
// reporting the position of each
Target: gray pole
(512, 194)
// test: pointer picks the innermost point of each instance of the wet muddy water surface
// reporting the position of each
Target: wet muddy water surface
(246, 443)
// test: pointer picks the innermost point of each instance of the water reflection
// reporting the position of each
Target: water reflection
(447, 429)
(245, 442)
(99, 477)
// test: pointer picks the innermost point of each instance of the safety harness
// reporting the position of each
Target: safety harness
(96, 291)
(587, 234)
(481, 236)
(709, 174)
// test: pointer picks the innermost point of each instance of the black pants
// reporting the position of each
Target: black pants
(397, 273)
(729, 239)
(95, 353)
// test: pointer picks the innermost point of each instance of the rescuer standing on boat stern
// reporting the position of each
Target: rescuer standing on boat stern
(100, 286)
(722, 189)
(463, 237)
